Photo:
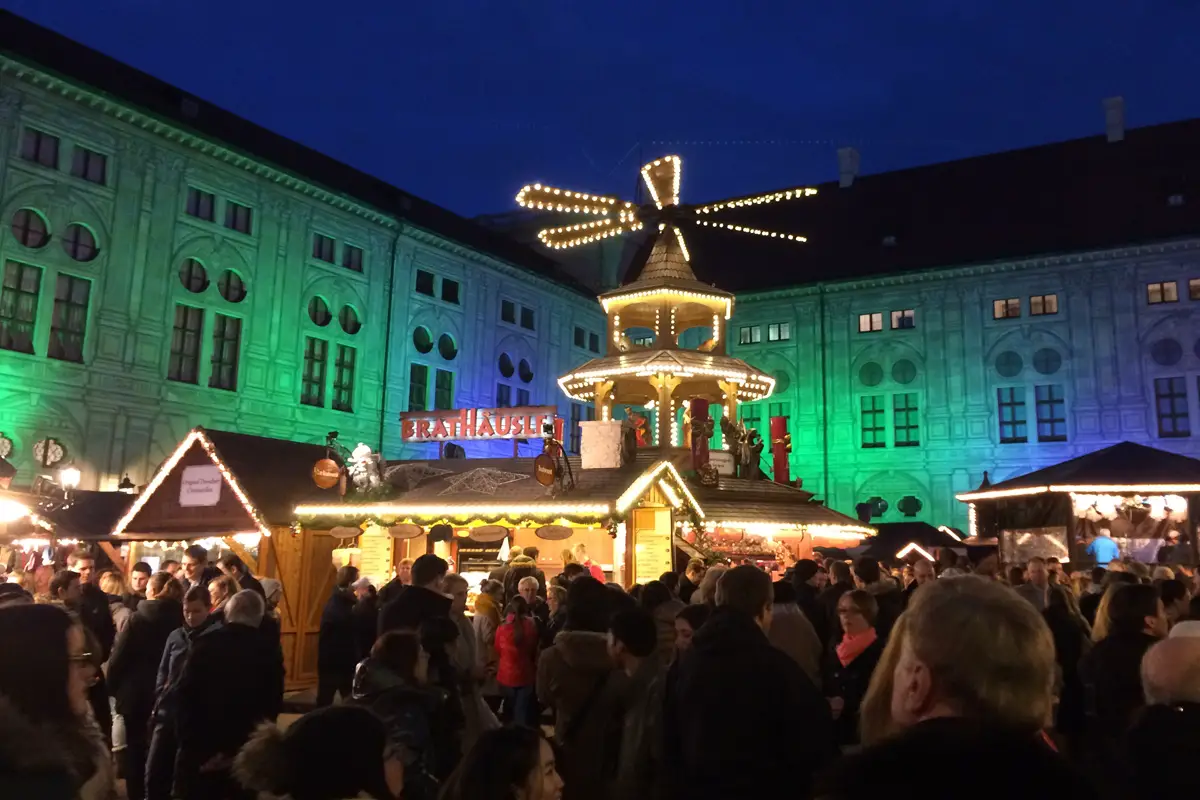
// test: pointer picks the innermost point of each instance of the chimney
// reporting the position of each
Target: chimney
(848, 160)
(1114, 118)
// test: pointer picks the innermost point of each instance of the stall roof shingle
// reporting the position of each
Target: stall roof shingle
(1124, 464)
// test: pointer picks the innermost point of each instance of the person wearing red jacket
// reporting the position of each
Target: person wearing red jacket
(516, 646)
(594, 569)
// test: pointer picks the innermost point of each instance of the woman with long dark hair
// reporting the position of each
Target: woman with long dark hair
(50, 746)
(507, 764)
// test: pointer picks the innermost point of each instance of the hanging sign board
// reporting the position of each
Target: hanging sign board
(200, 486)
(326, 473)
(474, 424)
(543, 470)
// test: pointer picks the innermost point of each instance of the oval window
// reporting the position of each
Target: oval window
(422, 339)
(348, 319)
(193, 276)
(447, 349)
(231, 286)
(79, 243)
(30, 228)
(318, 312)
(506, 365)
(525, 371)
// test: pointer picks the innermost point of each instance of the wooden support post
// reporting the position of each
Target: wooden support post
(115, 556)
(251, 563)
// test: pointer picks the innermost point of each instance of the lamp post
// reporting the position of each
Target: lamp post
(126, 485)
(68, 478)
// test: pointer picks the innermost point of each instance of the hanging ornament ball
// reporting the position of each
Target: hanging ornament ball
(325, 473)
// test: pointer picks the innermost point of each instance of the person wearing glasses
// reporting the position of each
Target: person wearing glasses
(50, 747)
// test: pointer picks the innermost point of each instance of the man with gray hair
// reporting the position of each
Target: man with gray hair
(1162, 745)
(232, 681)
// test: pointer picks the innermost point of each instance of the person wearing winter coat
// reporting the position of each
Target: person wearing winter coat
(234, 567)
(718, 727)
(337, 642)
(793, 633)
(524, 566)
(486, 622)
(477, 716)
(658, 601)
(231, 681)
(50, 747)
(393, 682)
(160, 760)
(888, 597)
(577, 679)
(1163, 743)
(807, 580)
(366, 616)
(851, 662)
(133, 669)
(517, 646)
(329, 754)
(556, 604)
(633, 644)
(1071, 642)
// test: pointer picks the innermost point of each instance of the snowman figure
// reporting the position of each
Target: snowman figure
(364, 468)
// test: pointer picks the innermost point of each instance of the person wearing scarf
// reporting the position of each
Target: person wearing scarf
(851, 661)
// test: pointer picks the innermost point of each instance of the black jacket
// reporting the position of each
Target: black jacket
(232, 680)
(828, 598)
(412, 607)
(414, 715)
(850, 683)
(248, 581)
(337, 645)
(735, 704)
(806, 598)
(366, 625)
(207, 576)
(1112, 682)
(1163, 749)
(133, 668)
(973, 761)
(1070, 643)
(96, 616)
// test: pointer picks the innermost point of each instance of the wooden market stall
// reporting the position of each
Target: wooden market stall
(1146, 497)
(232, 491)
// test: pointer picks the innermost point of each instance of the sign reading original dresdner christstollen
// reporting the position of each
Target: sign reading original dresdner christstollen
(479, 423)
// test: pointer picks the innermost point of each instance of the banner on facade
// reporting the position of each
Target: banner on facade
(474, 424)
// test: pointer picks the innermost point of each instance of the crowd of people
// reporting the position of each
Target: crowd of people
(839, 681)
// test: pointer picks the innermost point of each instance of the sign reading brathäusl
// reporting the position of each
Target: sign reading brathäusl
(473, 424)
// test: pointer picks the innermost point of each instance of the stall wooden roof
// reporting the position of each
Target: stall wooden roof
(1122, 468)
(762, 501)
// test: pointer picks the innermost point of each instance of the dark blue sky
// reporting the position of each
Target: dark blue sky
(462, 102)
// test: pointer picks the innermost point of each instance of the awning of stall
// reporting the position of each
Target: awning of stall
(768, 508)
(503, 491)
(900, 539)
(1124, 468)
(88, 514)
(221, 483)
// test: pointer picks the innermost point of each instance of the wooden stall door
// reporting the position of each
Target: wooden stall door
(304, 565)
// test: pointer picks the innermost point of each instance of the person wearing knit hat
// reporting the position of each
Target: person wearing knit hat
(332, 753)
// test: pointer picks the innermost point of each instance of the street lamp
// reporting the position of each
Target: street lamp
(126, 485)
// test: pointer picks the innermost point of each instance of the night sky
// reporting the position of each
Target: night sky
(462, 102)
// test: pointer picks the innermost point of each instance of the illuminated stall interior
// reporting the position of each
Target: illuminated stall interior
(235, 492)
(1145, 497)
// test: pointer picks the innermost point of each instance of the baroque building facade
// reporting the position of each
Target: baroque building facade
(157, 276)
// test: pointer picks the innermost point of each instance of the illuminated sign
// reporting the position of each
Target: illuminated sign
(479, 423)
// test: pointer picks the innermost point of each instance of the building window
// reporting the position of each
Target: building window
(575, 434)
(751, 334)
(89, 165)
(184, 364)
(312, 385)
(318, 311)
(343, 378)
(580, 337)
(79, 243)
(1194, 289)
(323, 248)
(201, 204)
(40, 148)
(1170, 398)
(450, 291)
(69, 323)
(1043, 304)
(443, 390)
(1164, 292)
(905, 426)
(231, 286)
(352, 257)
(777, 410)
(425, 283)
(30, 229)
(193, 276)
(874, 430)
(869, 323)
(522, 398)
(238, 217)
(752, 418)
(503, 395)
(348, 319)
(1007, 309)
(226, 341)
(1011, 402)
(508, 311)
(418, 386)
(18, 306)
(643, 341)
(594, 342)
(1051, 413)
(904, 319)
(779, 332)
(527, 321)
